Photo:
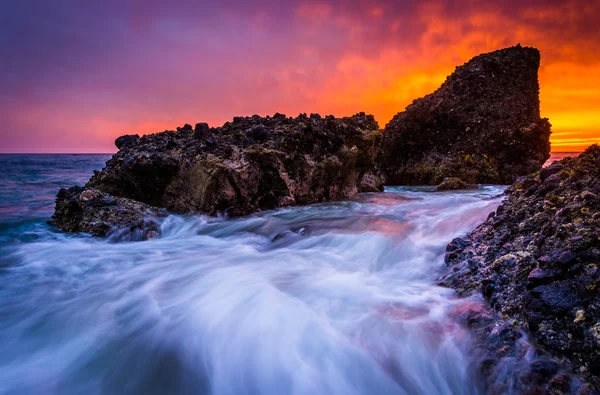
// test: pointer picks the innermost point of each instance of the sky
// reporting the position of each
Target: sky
(74, 75)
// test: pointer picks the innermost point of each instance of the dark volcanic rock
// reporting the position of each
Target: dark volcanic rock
(250, 164)
(506, 362)
(126, 139)
(92, 211)
(537, 260)
(482, 125)
(452, 183)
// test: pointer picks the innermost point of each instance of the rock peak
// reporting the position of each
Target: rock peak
(482, 124)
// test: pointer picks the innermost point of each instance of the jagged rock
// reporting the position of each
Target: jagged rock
(250, 164)
(549, 226)
(453, 183)
(482, 125)
(91, 211)
(185, 128)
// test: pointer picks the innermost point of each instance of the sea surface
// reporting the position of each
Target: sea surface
(336, 298)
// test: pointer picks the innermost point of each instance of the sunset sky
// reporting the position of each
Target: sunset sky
(75, 74)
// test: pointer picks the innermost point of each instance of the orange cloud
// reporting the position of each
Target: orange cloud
(131, 72)
(403, 71)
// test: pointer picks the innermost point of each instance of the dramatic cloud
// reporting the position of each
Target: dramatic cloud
(74, 76)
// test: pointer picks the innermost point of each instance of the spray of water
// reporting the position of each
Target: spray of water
(336, 298)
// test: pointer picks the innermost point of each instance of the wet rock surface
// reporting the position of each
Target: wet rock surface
(249, 164)
(535, 260)
(482, 125)
(91, 211)
(506, 359)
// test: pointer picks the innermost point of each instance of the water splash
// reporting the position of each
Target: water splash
(335, 298)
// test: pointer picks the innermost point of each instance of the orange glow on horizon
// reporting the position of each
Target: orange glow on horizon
(318, 56)
(384, 86)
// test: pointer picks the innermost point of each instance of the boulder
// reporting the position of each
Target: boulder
(549, 226)
(126, 139)
(91, 211)
(453, 183)
(249, 164)
(482, 125)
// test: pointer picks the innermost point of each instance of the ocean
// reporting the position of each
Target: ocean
(335, 298)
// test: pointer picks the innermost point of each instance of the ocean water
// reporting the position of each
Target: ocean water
(336, 298)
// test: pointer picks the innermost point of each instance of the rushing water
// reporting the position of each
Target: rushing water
(336, 298)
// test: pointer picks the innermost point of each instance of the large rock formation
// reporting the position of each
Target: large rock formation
(536, 260)
(482, 125)
(92, 211)
(250, 164)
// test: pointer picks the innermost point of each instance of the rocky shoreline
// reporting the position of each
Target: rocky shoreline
(535, 261)
(247, 165)
(531, 267)
(482, 126)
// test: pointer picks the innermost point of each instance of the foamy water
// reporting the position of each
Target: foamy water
(336, 298)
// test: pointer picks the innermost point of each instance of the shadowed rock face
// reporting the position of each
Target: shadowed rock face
(482, 125)
(454, 183)
(536, 260)
(92, 211)
(250, 164)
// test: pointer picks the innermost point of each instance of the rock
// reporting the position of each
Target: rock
(504, 262)
(249, 164)
(99, 214)
(186, 128)
(544, 262)
(259, 133)
(126, 139)
(560, 384)
(89, 194)
(482, 125)
(595, 331)
(544, 368)
(579, 316)
(452, 183)
(539, 276)
(550, 170)
(566, 257)
(559, 297)
(201, 129)
(587, 195)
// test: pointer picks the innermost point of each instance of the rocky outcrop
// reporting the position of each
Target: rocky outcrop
(250, 164)
(482, 125)
(536, 260)
(92, 211)
(453, 183)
